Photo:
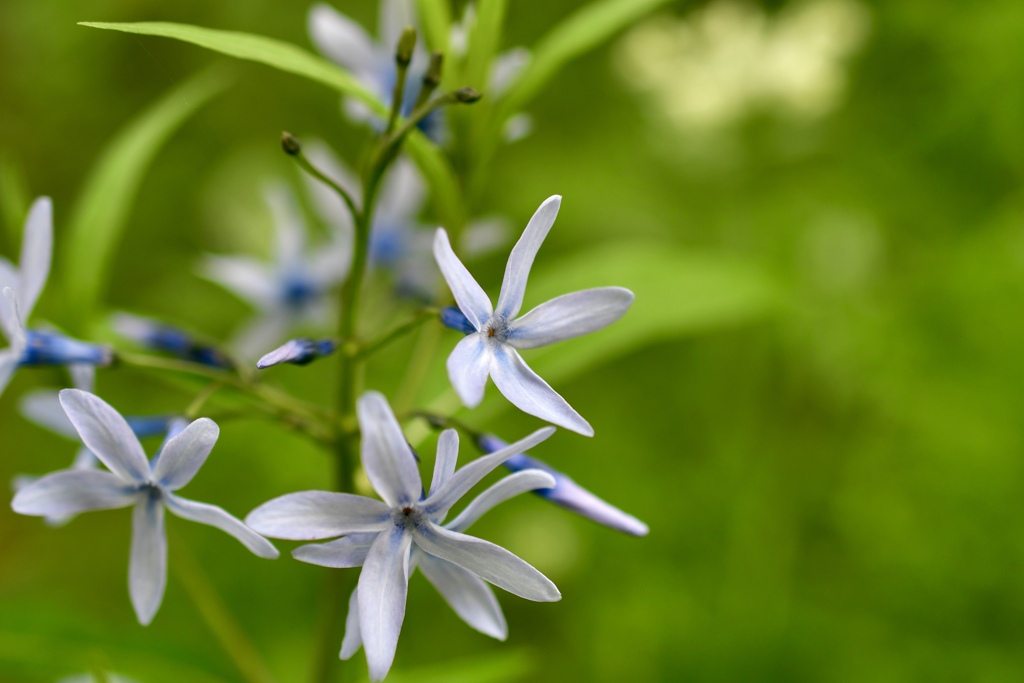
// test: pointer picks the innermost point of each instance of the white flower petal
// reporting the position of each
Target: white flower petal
(8, 364)
(447, 456)
(8, 275)
(106, 434)
(36, 252)
(11, 321)
(402, 193)
(218, 517)
(289, 227)
(342, 40)
(388, 459)
(349, 551)
(471, 598)
(353, 640)
(468, 294)
(517, 271)
(44, 409)
(509, 487)
(506, 69)
(69, 492)
(182, 456)
(532, 395)
(395, 15)
(383, 587)
(468, 365)
(488, 561)
(466, 478)
(313, 515)
(568, 316)
(147, 570)
(246, 277)
(83, 376)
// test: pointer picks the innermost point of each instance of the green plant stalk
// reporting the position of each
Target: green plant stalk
(370, 348)
(215, 613)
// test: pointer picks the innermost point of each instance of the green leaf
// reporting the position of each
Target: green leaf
(677, 294)
(484, 41)
(436, 18)
(584, 30)
(99, 216)
(293, 59)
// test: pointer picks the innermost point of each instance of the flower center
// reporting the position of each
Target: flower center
(496, 328)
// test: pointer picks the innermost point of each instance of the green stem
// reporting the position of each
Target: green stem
(215, 613)
(422, 316)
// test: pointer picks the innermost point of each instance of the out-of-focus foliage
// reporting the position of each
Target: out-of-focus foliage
(834, 492)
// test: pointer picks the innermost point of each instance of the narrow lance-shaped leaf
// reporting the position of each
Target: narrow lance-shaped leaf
(436, 18)
(14, 198)
(101, 212)
(295, 60)
(677, 294)
(484, 42)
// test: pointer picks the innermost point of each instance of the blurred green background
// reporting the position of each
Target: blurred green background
(833, 482)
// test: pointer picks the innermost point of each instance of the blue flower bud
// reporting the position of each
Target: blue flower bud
(568, 494)
(454, 318)
(159, 336)
(298, 352)
(51, 348)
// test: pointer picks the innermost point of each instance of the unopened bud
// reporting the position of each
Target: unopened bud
(432, 78)
(467, 95)
(290, 144)
(406, 44)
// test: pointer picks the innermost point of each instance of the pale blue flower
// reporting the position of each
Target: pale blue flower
(500, 332)
(298, 352)
(294, 288)
(388, 539)
(372, 62)
(21, 287)
(147, 486)
(567, 493)
(43, 408)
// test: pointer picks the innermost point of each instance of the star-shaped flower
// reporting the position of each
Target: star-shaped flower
(499, 333)
(134, 481)
(293, 289)
(384, 537)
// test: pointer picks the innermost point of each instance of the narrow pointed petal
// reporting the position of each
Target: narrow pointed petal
(488, 561)
(313, 515)
(470, 597)
(466, 478)
(246, 277)
(388, 459)
(106, 434)
(8, 364)
(289, 227)
(83, 376)
(44, 409)
(383, 587)
(468, 365)
(343, 553)
(468, 294)
(568, 316)
(509, 487)
(218, 517)
(69, 492)
(11, 321)
(353, 640)
(517, 271)
(447, 456)
(532, 395)
(183, 455)
(36, 252)
(341, 40)
(402, 193)
(147, 571)
(297, 352)
(8, 275)
(394, 16)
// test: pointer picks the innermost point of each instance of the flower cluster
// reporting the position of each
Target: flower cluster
(373, 224)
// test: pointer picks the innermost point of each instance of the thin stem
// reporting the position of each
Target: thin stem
(201, 398)
(307, 166)
(215, 613)
(422, 316)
